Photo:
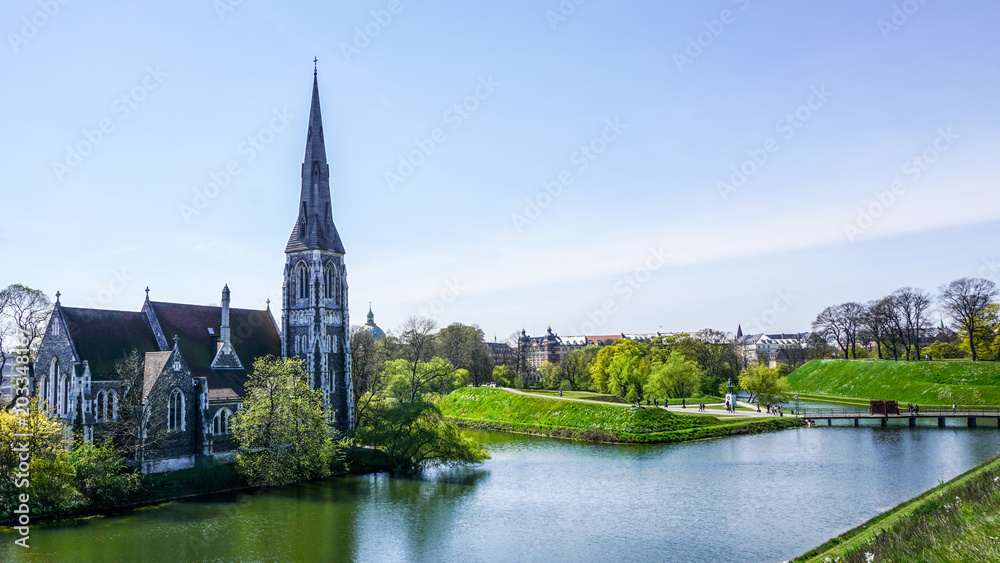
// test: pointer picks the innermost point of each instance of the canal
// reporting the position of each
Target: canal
(766, 497)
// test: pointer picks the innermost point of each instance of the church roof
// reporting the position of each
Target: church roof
(314, 228)
(253, 336)
(101, 337)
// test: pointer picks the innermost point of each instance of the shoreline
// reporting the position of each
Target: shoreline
(861, 536)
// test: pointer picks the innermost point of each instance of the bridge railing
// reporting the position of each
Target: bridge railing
(987, 411)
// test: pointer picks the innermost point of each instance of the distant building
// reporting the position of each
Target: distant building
(772, 348)
(371, 328)
(502, 354)
(5, 375)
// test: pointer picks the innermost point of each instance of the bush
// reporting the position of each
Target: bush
(102, 476)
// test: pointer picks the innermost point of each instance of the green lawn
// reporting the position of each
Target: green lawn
(498, 409)
(924, 383)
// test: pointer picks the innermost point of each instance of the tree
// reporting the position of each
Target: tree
(463, 346)
(876, 322)
(716, 353)
(284, 433)
(625, 378)
(851, 313)
(965, 300)
(101, 474)
(677, 377)
(414, 435)
(911, 307)
(25, 311)
(407, 382)
(575, 367)
(138, 429)
(764, 383)
(50, 474)
(416, 348)
(830, 323)
(368, 357)
(945, 350)
(550, 375)
(987, 336)
(503, 375)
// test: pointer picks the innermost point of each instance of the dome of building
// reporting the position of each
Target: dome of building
(371, 327)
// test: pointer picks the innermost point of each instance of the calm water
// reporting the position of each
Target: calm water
(766, 497)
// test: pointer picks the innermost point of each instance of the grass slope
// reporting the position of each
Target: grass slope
(924, 383)
(956, 521)
(496, 409)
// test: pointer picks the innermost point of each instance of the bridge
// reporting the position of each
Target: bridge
(970, 414)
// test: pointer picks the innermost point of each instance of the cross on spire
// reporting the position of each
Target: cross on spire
(315, 60)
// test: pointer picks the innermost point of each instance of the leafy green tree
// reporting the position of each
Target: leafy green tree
(50, 476)
(599, 368)
(414, 435)
(945, 350)
(550, 375)
(625, 376)
(283, 432)
(408, 382)
(575, 367)
(987, 335)
(503, 376)
(676, 377)
(764, 383)
(101, 474)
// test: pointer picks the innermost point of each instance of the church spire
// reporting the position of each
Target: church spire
(314, 229)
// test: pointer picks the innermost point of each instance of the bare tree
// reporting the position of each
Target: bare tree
(28, 309)
(965, 300)
(367, 364)
(911, 310)
(831, 325)
(417, 342)
(138, 421)
(876, 322)
(852, 314)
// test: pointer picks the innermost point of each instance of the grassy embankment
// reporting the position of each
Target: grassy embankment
(956, 521)
(924, 383)
(497, 409)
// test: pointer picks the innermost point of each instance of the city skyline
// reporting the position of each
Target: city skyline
(511, 166)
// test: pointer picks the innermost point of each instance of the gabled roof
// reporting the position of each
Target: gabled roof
(102, 337)
(253, 336)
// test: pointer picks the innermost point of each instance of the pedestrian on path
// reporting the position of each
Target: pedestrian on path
(953, 408)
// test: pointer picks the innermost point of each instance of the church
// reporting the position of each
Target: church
(196, 359)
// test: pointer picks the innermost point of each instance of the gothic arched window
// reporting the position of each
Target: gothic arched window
(102, 404)
(301, 281)
(64, 395)
(220, 424)
(330, 280)
(113, 404)
(175, 411)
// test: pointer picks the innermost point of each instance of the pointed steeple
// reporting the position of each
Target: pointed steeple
(314, 228)
(739, 331)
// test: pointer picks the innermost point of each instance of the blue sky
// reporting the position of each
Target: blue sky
(866, 133)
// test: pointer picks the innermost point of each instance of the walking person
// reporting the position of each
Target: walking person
(953, 408)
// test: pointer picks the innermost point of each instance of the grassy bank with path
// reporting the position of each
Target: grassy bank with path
(924, 383)
(499, 409)
(956, 521)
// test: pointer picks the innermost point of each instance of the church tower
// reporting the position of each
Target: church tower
(315, 324)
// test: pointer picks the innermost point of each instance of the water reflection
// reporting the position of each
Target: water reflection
(766, 497)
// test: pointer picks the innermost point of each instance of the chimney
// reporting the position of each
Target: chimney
(224, 329)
